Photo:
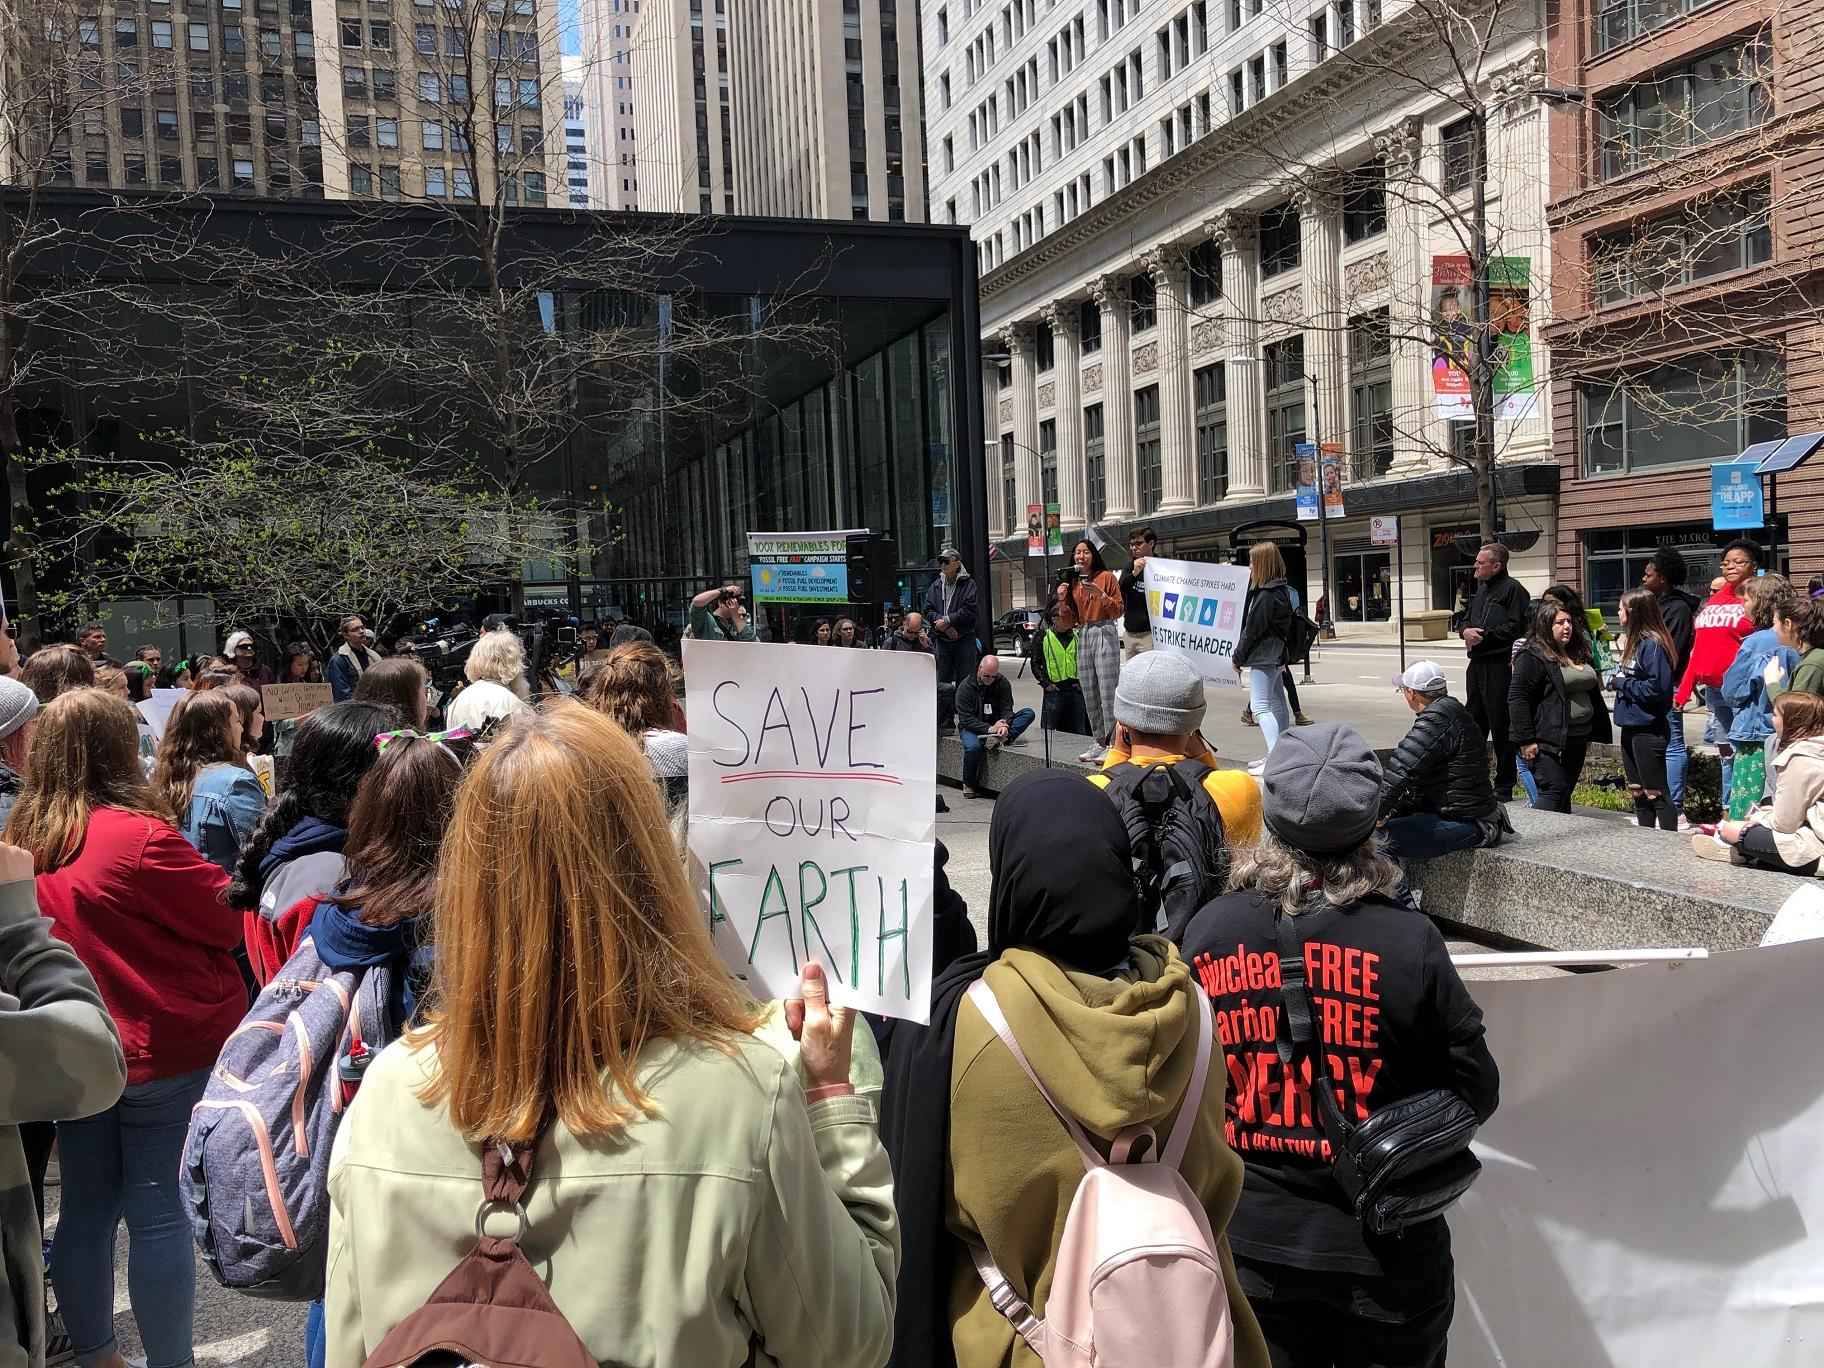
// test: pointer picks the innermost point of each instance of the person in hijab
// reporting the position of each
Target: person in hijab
(1108, 1020)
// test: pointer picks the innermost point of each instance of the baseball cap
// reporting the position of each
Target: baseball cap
(1423, 676)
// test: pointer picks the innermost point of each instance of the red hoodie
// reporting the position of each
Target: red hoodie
(144, 913)
(1721, 625)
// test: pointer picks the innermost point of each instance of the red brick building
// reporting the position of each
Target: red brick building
(1687, 223)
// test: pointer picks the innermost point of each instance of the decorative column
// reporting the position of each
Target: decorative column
(1110, 294)
(1233, 232)
(1067, 373)
(1320, 246)
(1417, 433)
(1517, 136)
(1016, 341)
(1177, 446)
(992, 423)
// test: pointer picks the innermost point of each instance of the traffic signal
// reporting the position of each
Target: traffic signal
(873, 567)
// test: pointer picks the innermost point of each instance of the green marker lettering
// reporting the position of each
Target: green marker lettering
(773, 881)
(717, 911)
(809, 922)
(854, 921)
(905, 962)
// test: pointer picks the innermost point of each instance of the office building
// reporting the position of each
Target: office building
(1688, 270)
(683, 125)
(1211, 233)
(608, 101)
(577, 159)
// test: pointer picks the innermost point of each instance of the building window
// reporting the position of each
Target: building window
(1148, 452)
(360, 179)
(1371, 395)
(243, 175)
(1048, 462)
(1279, 240)
(1690, 411)
(1209, 395)
(434, 182)
(1095, 464)
(1614, 559)
(1010, 510)
(1285, 377)
(1089, 326)
(1142, 302)
(1687, 106)
(351, 32)
(1459, 145)
(1730, 233)
(1205, 263)
(431, 136)
(1042, 347)
(199, 37)
(1621, 21)
(1365, 201)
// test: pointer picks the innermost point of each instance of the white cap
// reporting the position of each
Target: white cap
(1423, 676)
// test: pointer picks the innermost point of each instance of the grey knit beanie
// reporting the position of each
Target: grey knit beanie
(1159, 692)
(1321, 788)
(18, 705)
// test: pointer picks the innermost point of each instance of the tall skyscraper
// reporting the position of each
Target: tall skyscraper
(577, 160)
(609, 97)
(682, 124)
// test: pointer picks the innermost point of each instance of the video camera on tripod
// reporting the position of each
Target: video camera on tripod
(447, 651)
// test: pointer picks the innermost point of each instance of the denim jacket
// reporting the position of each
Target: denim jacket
(225, 806)
(1746, 692)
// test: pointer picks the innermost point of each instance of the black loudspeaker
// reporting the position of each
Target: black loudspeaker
(873, 568)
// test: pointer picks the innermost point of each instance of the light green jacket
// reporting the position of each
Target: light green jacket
(734, 1216)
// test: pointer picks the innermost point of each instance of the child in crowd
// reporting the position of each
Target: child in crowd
(1744, 690)
(1787, 835)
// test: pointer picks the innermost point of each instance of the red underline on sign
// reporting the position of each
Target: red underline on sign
(809, 774)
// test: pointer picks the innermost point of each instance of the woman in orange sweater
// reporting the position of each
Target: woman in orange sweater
(1095, 594)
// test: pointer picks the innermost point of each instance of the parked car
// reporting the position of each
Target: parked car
(1015, 632)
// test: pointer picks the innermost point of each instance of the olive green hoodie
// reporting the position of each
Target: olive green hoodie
(1113, 1051)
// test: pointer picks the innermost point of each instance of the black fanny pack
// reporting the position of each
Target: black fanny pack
(1409, 1161)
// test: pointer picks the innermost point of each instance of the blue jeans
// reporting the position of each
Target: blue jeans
(1267, 698)
(1722, 717)
(125, 1162)
(956, 660)
(316, 1337)
(1525, 769)
(1677, 756)
(975, 745)
(1426, 835)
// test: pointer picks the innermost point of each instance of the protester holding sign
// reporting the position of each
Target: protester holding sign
(1109, 1021)
(1096, 602)
(689, 1198)
(1394, 1021)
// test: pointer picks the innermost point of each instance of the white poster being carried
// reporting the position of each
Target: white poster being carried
(1653, 1183)
(813, 801)
(1196, 610)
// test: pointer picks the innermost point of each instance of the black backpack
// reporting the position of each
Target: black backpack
(1181, 852)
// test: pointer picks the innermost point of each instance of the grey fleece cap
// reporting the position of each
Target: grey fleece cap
(1321, 789)
(18, 705)
(1159, 692)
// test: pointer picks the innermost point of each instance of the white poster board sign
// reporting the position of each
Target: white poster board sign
(1196, 610)
(1653, 1183)
(813, 802)
(155, 711)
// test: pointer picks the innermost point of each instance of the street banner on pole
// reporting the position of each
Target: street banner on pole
(1653, 1183)
(1035, 530)
(813, 800)
(1332, 466)
(799, 567)
(1453, 346)
(1054, 530)
(1196, 610)
(1305, 485)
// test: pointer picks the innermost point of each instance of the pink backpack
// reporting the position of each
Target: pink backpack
(1138, 1283)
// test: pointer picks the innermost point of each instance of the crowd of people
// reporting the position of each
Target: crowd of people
(697, 1177)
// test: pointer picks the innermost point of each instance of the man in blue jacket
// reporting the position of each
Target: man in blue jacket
(950, 605)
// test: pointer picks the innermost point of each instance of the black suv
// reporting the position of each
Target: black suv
(1015, 632)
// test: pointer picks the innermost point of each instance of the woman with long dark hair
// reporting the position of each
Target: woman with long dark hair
(204, 778)
(1555, 707)
(299, 664)
(1643, 685)
(1095, 598)
(294, 856)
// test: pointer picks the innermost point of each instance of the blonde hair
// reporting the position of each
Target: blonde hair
(85, 755)
(567, 936)
(1296, 879)
(1763, 594)
(1265, 564)
(499, 658)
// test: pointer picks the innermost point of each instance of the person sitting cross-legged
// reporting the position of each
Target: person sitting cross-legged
(986, 719)
(1436, 797)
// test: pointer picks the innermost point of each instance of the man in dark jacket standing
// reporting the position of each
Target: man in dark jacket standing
(1494, 622)
(1664, 578)
(1435, 793)
(950, 605)
(985, 718)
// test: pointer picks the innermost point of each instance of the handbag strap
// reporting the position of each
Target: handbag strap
(1298, 1031)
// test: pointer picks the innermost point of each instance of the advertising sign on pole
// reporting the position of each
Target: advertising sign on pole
(1305, 485)
(1196, 609)
(799, 567)
(1332, 467)
(1054, 530)
(1453, 344)
(1735, 496)
(1384, 530)
(1035, 530)
(813, 816)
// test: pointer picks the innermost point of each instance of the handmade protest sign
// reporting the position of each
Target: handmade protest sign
(813, 797)
(279, 701)
(1196, 610)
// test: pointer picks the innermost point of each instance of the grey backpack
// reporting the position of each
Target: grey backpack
(256, 1164)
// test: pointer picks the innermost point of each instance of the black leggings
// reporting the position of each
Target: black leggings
(1643, 759)
(1285, 677)
(1758, 845)
(1556, 775)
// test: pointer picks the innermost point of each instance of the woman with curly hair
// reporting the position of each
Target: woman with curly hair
(636, 687)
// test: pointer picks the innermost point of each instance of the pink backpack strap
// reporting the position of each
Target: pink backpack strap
(1008, 1302)
(1193, 1093)
(990, 1008)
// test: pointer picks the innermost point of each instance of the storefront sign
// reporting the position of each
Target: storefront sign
(812, 817)
(1735, 496)
(1196, 609)
(1453, 337)
(799, 567)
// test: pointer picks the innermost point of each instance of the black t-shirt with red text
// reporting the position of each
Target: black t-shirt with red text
(1395, 1020)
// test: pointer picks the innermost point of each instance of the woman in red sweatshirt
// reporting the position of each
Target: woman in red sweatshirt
(144, 913)
(1721, 626)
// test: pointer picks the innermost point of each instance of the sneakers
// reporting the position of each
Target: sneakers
(1247, 718)
(1257, 767)
(1684, 825)
(1709, 848)
(56, 1340)
(1092, 756)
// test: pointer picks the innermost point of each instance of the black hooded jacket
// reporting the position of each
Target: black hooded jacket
(1441, 766)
